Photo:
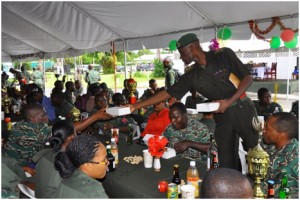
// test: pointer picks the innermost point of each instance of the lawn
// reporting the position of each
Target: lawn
(142, 80)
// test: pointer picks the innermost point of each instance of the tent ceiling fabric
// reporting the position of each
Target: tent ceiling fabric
(61, 29)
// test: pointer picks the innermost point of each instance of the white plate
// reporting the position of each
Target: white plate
(191, 111)
(207, 107)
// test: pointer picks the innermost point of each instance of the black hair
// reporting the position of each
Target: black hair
(223, 183)
(103, 85)
(262, 91)
(61, 130)
(180, 106)
(152, 81)
(287, 123)
(80, 150)
(117, 98)
(69, 84)
(57, 83)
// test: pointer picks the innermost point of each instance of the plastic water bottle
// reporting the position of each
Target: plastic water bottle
(193, 177)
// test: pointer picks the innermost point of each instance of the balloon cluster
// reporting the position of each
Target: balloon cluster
(289, 38)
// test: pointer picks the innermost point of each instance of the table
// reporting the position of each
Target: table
(136, 181)
(260, 72)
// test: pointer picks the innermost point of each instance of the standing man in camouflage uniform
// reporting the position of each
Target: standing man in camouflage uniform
(28, 136)
(187, 136)
(170, 73)
(38, 77)
(26, 74)
(280, 130)
(92, 76)
(264, 106)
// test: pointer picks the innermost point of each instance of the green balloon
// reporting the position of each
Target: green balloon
(292, 44)
(275, 42)
(224, 33)
(172, 45)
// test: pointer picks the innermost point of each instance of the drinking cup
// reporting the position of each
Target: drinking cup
(148, 159)
(187, 191)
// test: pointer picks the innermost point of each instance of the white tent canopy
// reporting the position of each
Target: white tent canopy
(61, 29)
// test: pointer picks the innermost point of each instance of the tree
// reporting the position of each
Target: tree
(159, 70)
(144, 52)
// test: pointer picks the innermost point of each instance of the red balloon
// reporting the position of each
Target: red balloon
(287, 35)
(163, 186)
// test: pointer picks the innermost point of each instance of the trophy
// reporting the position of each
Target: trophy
(131, 86)
(75, 114)
(258, 161)
(6, 101)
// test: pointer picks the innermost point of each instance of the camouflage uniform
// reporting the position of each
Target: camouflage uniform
(170, 78)
(25, 140)
(11, 175)
(79, 186)
(27, 76)
(284, 160)
(92, 76)
(147, 94)
(266, 111)
(195, 131)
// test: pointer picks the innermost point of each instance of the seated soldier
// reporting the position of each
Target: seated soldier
(104, 87)
(126, 92)
(264, 106)
(225, 183)
(62, 107)
(280, 131)
(69, 93)
(189, 137)
(151, 90)
(78, 89)
(120, 122)
(28, 136)
(58, 86)
(80, 165)
(93, 89)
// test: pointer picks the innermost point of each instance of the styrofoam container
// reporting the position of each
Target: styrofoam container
(191, 111)
(208, 107)
(118, 111)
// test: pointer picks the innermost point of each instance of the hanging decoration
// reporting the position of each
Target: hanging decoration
(214, 45)
(224, 33)
(287, 35)
(275, 42)
(260, 33)
(172, 45)
(291, 44)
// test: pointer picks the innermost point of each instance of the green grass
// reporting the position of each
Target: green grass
(142, 80)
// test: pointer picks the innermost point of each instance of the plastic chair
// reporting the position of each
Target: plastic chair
(271, 74)
(27, 191)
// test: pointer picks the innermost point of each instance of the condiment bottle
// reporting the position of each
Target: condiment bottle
(193, 177)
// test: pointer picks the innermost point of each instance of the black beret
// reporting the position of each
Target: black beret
(186, 39)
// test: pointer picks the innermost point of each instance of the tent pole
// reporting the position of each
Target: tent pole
(44, 72)
(125, 63)
(114, 63)
(288, 76)
(75, 71)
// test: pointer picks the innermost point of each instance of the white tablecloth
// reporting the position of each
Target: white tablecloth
(260, 72)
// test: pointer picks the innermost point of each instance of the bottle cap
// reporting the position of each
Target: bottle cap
(271, 182)
(113, 139)
(192, 163)
(108, 147)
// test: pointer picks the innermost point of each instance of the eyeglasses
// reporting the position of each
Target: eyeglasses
(101, 163)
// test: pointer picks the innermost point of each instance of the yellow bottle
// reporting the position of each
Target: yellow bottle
(193, 177)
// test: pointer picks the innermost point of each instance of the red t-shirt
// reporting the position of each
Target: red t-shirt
(157, 124)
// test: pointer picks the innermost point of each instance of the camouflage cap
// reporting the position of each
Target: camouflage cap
(186, 39)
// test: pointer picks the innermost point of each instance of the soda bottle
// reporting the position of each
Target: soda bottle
(176, 178)
(111, 167)
(130, 134)
(193, 177)
(211, 150)
(271, 191)
(8, 123)
(215, 162)
(114, 150)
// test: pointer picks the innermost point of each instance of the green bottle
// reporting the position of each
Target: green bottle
(283, 190)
